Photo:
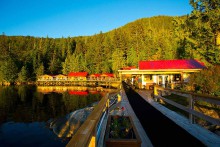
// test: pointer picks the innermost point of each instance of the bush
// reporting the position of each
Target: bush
(207, 81)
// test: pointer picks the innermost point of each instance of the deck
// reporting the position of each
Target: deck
(128, 111)
(157, 125)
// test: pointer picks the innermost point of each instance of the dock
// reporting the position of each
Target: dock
(155, 124)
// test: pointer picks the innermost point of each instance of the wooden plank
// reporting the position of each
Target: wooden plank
(144, 138)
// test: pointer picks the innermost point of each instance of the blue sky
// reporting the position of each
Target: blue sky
(69, 18)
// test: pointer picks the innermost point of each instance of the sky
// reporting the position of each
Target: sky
(71, 18)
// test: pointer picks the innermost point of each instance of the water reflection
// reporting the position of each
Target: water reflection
(29, 116)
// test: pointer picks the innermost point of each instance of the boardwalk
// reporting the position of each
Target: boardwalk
(160, 129)
(129, 112)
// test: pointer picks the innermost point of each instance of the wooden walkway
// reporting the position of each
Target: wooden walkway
(198, 132)
(129, 112)
(160, 129)
(175, 131)
(202, 134)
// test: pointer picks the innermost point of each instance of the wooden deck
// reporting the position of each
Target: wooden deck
(128, 111)
(205, 136)
(104, 83)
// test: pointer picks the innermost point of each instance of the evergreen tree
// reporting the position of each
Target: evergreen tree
(66, 67)
(8, 70)
(203, 27)
(23, 75)
(55, 64)
(132, 59)
(40, 70)
(118, 61)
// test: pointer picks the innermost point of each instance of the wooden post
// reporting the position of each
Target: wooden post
(191, 106)
(92, 142)
(119, 98)
(155, 90)
(172, 85)
(107, 104)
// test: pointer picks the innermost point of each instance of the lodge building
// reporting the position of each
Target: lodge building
(160, 72)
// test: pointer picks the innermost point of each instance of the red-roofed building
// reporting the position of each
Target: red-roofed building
(162, 71)
(94, 76)
(107, 76)
(77, 75)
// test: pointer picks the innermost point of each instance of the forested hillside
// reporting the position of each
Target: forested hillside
(23, 58)
(145, 39)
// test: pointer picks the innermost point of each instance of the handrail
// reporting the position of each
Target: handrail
(192, 98)
(86, 135)
(197, 95)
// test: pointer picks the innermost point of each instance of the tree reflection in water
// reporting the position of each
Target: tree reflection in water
(61, 112)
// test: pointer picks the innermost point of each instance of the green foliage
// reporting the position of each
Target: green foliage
(118, 60)
(40, 70)
(207, 81)
(8, 71)
(202, 27)
(23, 75)
(155, 38)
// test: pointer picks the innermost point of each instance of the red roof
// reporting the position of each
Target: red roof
(78, 92)
(108, 75)
(170, 64)
(77, 74)
(95, 75)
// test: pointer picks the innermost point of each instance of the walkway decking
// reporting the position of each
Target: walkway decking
(155, 124)
(129, 112)
(160, 129)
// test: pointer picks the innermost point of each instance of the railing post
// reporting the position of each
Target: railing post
(191, 106)
(119, 98)
(155, 92)
(107, 105)
(92, 142)
(172, 85)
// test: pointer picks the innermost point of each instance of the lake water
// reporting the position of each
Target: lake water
(33, 116)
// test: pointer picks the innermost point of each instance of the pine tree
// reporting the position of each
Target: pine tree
(23, 75)
(40, 70)
(8, 70)
(118, 61)
(203, 27)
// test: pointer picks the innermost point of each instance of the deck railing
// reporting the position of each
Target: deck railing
(192, 98)
(89, 133)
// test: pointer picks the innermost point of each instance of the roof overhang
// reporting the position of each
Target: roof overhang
(159, 71)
